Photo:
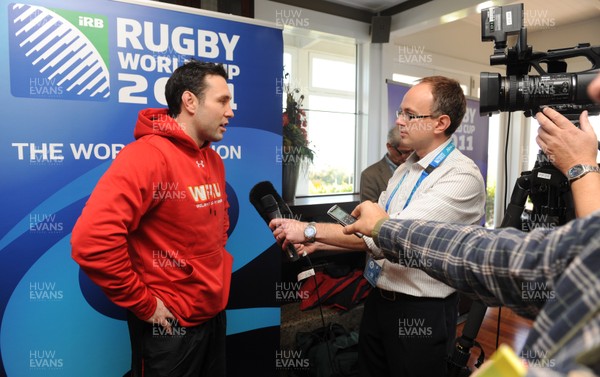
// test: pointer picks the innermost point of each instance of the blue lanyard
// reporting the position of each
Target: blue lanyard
(434, 164)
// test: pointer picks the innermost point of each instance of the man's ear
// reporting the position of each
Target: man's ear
(443, 124)
(188, 102)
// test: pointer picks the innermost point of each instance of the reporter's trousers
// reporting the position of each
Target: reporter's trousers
(406, 336)
(197, 351)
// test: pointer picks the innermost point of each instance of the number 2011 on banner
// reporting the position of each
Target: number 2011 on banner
(463, 142)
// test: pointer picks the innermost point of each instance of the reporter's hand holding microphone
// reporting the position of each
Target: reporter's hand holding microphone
(293, 232)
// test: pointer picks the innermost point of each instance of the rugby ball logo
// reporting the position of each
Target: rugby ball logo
(58, 54)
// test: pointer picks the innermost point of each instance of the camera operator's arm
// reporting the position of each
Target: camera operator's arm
(567, 146)
(495, 265)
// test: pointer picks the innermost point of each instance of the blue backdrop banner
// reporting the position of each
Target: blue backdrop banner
(75, 74)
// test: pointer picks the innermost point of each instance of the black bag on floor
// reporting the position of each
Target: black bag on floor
(332, 351)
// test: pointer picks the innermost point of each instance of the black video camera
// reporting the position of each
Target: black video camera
(554, 87)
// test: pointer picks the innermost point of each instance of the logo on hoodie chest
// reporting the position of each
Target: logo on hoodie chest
(206, 194)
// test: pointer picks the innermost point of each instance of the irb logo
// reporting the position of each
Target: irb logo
(96, 23)
(58, 53)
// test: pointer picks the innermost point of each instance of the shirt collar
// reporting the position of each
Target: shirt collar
(390, 163)
(429, 157)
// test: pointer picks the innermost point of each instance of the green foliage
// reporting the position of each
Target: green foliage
(295, 135)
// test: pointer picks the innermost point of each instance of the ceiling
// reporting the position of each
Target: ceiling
(459, 36)
(566, 11)
(373, 6)
(461, 39)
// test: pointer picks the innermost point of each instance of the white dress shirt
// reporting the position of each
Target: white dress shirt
(454, 192)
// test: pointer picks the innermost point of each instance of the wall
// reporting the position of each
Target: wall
(461, 55)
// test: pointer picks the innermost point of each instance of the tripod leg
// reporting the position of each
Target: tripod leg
(460, 357)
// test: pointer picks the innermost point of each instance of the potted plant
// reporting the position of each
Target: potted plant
(296, 152)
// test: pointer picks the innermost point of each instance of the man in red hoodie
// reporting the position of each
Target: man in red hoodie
(152, 234)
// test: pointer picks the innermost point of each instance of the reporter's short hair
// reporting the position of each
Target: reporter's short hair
(448, 99)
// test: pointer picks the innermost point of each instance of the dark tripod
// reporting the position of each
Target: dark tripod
(552, 201)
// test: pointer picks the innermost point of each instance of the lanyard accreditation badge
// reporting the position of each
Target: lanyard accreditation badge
(431, 167)
(372, 269)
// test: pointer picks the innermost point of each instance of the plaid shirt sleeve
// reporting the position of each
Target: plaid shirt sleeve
(494, 265)
(550, 275)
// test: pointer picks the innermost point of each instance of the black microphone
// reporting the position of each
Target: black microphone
(272, 212)
(270, 205)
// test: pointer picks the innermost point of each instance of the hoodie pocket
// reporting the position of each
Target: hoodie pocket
(203, 290)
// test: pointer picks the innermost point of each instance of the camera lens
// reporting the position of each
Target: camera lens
(564, 91)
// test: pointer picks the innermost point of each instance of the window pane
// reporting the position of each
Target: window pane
(333, 74)
(333, 167)
(332, 135)
(405, 79)
(325, 73)
(287, 63)
(287, 72)
(492, 173)
(332, 104)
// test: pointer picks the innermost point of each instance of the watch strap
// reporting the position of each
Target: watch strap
(584, 170)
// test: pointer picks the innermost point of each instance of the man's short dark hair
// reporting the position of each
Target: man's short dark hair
(190, 76)
(448, 99)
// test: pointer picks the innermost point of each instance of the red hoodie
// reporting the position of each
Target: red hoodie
(156, 225)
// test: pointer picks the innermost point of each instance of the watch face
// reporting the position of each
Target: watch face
(575, 171)
(309, 232)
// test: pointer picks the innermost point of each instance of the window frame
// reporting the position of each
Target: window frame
(305, 72)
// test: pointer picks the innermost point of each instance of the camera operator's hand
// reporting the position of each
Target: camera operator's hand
(568, 146)
(367, 214)
(563, 143)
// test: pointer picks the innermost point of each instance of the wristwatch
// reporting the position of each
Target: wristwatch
(310, 232)
(580, 170)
